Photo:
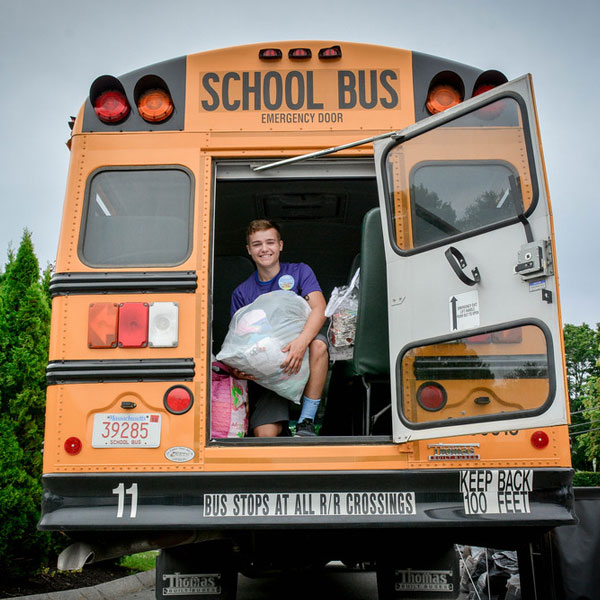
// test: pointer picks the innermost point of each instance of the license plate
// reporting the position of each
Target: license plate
(126, 431)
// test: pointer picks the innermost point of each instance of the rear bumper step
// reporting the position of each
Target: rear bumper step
(207, 501)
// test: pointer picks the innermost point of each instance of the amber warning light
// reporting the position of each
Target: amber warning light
(155, 106)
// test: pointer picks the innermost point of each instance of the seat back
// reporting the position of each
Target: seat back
(371, 342)
(229, 272)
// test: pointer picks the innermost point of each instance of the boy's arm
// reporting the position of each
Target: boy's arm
(296, 348)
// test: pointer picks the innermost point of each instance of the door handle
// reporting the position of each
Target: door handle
(458, 263)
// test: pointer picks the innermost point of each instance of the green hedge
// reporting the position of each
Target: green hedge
(586, 479)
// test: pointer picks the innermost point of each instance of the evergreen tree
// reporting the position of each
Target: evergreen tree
(24, 336)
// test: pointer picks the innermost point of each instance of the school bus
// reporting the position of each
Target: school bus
(448, 424)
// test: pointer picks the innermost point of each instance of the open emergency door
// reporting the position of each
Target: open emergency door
(475, 332)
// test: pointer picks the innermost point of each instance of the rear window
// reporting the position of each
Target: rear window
(463, 178)
(137, 218)
(453, 198)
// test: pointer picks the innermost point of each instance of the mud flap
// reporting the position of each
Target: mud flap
(430, 575)
(197, 572)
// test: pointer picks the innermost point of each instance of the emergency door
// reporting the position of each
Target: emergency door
(475, 333)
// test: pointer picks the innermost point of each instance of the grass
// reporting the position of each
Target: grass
(144, 561)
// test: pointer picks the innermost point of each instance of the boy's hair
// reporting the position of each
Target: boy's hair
(261, 225)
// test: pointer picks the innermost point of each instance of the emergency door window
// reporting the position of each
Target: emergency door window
(477, 378)
(462, 178)
(137, 218)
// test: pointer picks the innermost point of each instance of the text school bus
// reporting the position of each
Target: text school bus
(447, 425)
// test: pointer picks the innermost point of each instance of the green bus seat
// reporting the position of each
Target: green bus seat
(370, 361)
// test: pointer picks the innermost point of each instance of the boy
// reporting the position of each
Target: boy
(271, 412)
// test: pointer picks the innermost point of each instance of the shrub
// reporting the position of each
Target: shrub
(586, 479)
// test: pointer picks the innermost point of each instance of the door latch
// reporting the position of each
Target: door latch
(535, 260)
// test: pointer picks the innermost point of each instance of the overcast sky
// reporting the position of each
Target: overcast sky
(51, 51)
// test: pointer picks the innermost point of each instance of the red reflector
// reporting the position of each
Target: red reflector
(111, 106)
(103, 318)
(540, 440)
(133, 325)
(332, 52)
(155, 106)
(178, 400)
(484, 338)
(300, 53)
(73, 446)
(270, 53)
(508, 336)
(431, 396)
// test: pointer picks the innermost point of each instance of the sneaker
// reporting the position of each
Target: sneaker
(305, 428)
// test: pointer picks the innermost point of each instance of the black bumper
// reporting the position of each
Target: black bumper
(375, 499)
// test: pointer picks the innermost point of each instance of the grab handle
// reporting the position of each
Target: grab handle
(458, 263)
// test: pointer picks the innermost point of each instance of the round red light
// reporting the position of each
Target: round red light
(73, 446)
(431, 396)
(540, 440)
(111, 106)
(178, 400)
(486, 87)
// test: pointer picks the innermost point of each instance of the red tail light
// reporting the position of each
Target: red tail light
(73, 446)
(155, 106)
(133, 325)
(432, 396)
(540, 440)
(111, 106)
(178, 400)
(486, 87)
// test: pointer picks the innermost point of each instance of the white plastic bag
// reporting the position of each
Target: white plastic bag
(258, 332)
(342, 308)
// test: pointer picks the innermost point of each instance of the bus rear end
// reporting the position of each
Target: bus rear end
(447, 424)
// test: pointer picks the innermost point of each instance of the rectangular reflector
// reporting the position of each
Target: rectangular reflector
(163, 327)
(103, 318)
(508, 336)
(133, 325)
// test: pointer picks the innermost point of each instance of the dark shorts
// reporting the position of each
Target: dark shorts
(266, 406)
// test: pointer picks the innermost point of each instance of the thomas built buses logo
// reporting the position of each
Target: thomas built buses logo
(188, 584)
(423, 581)
(454, 452)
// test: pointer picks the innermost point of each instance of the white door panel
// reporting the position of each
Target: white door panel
(461, 182)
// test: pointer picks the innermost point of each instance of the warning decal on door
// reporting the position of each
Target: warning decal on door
(464, 311)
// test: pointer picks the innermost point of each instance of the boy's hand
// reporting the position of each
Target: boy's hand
(242, 375)
(293, 362)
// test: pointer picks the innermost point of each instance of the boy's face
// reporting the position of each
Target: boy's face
(264, 248)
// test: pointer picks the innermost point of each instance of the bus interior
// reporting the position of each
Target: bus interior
(328, 213)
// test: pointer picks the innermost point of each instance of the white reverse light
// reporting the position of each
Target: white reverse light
(163, 325)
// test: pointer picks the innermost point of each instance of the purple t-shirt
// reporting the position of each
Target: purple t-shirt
(296, 277)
